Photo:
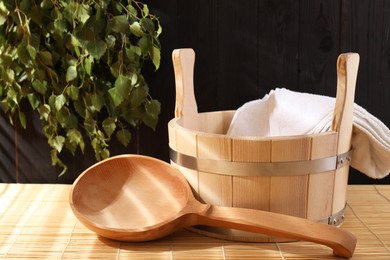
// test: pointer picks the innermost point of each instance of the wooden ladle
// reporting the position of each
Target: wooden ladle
(139, 198)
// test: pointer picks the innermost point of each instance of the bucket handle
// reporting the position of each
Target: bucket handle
(347, 69)
(185, 108)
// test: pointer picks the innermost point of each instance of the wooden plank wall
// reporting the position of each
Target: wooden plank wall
(243, 50)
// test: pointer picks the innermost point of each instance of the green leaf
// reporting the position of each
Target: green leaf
(132, 10)
(110, 40)
(95, 144)
(69, 12)
(143, 43)
(134, 79)
(156, 56)
(88, 63)
(119, 24)
(36, 14)
(137, 97)
(22, 119)
(90, 36)
(8, 75)
(159, 29)
(44, 111)
(109, 126)
(66, 120)
(62, 166)
(60, 101)
(52, 74)
(56, 161)
(39, 86)
(90, 125)
(6, 60)
(97, 101)
(123, 136)
(130, 54)
(49, 130)
(104, 154)
(13, 95)
(3, 13)
(79, 107)
(71, 73)
(96, 48)
(114, 68)
(73, 139)
(147, 24)
(31, 51)
(120, 90)
(60, 26)
(46, 4)
(52, 102)
(23, 54)
(136, 49)
(136, 29)
(57, 142)
(91, 31)
(25, 6)
(83, 13)
(34, 101)
(145, 10)
(74, 44)
(46, 58)
(134, 116)
(73, 92)
(153, 109)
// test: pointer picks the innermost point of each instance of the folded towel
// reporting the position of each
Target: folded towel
(283, 112)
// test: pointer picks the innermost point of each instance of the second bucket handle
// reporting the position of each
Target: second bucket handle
(186, 107)
(347, 69)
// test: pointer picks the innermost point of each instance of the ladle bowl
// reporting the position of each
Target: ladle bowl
(138, 198)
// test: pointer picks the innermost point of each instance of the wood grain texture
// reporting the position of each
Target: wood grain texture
(239, 78)
(185, 141)
(198, 26)
(185, 108)
(347, 69)
(321, 185)
(251, 191)
(8, 164)
(277, 45)
(217, 122)
(291, 190)
(215, 189)
(319, 24)
(32, 153)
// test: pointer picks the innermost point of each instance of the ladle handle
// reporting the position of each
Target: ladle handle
(341, 241)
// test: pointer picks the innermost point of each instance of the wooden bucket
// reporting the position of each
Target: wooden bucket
(304, 176)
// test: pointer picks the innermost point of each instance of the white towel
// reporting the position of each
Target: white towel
(283, 112)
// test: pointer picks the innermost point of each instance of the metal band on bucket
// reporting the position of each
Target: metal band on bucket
(236, 168)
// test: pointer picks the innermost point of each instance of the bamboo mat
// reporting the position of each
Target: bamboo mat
(36, 222)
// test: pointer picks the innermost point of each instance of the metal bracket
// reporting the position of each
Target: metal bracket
(344, 159)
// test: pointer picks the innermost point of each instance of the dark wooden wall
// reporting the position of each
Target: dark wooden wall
(243, 50)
